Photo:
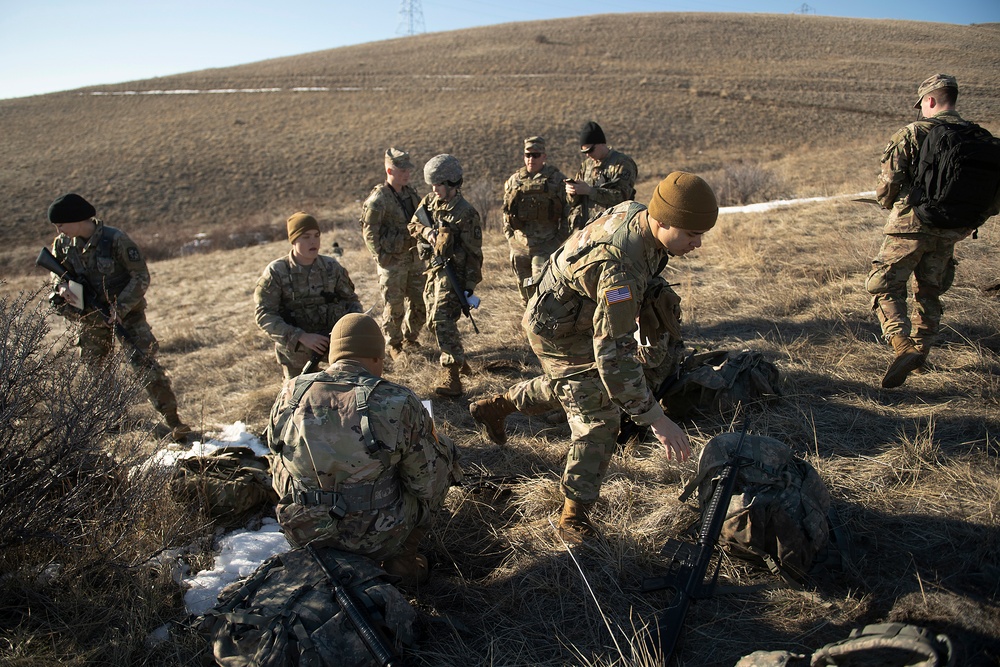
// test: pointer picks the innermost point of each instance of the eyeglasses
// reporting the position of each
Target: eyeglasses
(534, 156)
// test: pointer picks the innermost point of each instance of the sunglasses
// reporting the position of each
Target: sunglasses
(588, 151)
(533, 155)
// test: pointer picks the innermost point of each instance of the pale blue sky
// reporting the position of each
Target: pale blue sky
(52, 45)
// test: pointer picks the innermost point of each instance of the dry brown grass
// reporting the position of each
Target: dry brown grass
(913, 471)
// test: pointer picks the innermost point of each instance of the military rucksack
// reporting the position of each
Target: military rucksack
(285, 614)
(957, 179)
(229, 485)
(779, 515)
(880, 645)
(713, 383)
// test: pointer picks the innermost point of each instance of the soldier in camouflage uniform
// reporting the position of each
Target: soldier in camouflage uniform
(534, 214)
(384, 219)
(357, 464)
(581, 326)
(112, 264)
(606, 178)
(455, 235)
(912, 246)
(301, 296)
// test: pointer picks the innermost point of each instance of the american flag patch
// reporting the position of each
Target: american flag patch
(618, 294)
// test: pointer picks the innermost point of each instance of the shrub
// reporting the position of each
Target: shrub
(741, 183)
(480, 194)
(79, 515)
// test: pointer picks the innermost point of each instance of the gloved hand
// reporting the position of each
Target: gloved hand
(442, 243)
(474, 301)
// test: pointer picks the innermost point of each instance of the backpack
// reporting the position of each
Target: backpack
(879, 645)
(713, 383)
(779, 515)
(285, 614)
(957, 179)
(228, 485)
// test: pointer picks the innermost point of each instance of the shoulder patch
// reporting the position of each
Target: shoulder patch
(133, 254)
(478, 232)
(618, 294)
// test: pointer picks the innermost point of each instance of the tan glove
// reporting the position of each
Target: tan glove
(660, 313)
(442, 244)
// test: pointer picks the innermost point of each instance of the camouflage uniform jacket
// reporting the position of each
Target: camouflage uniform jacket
(382, 456)
(465, 249)
(113, 265)
(613, 181)
(899, 165)
(384, 219)
(293, 299)
(589, 298)
(534, 206)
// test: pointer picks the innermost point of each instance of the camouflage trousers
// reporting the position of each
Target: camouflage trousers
(527, 262)
(593, 420)
(443, 311)
(931, 262)
(293, 361)
(96, 341)
(402, 286)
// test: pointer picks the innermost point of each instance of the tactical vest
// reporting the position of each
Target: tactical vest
(313, 313)
(323, 476)
(559, 310)
(534, 202)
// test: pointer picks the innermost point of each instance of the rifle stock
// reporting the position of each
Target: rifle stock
(376, 643)
(689, 563)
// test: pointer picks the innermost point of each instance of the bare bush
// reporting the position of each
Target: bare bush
(78, 513)
(481, 195)
(741, 183)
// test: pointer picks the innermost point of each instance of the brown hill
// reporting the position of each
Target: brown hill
(811, 97)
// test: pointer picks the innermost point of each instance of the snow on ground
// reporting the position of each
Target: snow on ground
(239, 552)
(781, 203)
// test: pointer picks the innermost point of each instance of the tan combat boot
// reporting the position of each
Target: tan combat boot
(396, 352)
(409, 565)
(179, 431)
(448, 382)
(492, 413)
(907, 359)
(574, 524)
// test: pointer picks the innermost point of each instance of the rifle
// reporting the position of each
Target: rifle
(311, 364)
(373, 639)
(424, 216)
(48, 261)
(286, 314)
(689, 562)
(628, 429)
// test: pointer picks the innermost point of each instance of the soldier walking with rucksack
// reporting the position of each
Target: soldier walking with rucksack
(939, 179)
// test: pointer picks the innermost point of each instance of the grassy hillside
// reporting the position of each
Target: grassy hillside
(813, 97)
(913, 471)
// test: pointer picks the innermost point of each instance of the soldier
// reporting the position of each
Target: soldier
(384, 218)
(357, 464)
(606, 178)
(113, 267)
(454, 236)
(301, 296)
(534, 214)
(912, 246)
(581, 326)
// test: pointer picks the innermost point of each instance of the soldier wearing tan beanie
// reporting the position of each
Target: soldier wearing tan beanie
(686, 201)
(356, 336)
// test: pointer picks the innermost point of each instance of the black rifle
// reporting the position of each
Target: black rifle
(424, 216)
(689, 563)
(376, 643)
(91, 296)
(286, 315)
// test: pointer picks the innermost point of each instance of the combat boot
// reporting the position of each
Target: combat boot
(179, 431)
(408, 564)
(907, 359)
(449, 383)
(574, 524)
(492, 413)
(396, 352)
(411, 344)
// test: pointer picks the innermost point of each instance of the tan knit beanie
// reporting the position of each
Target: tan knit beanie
(299, 224)
(685, 201)
(356, 335)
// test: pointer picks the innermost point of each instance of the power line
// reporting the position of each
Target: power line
(411, 18)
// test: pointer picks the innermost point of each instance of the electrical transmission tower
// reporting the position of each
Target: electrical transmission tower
(411, 18)
(806, 9)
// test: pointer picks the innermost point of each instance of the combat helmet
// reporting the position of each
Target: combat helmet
(443, 168)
